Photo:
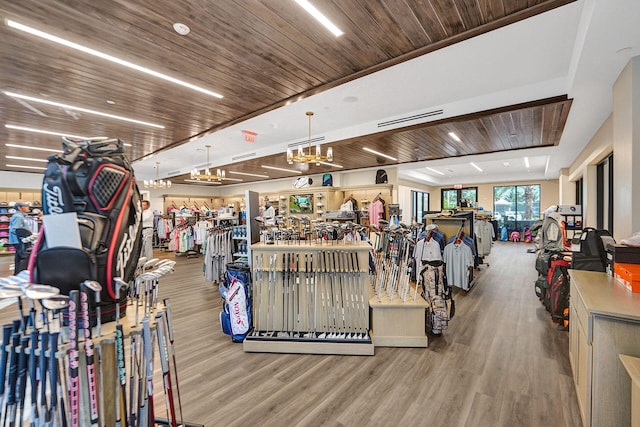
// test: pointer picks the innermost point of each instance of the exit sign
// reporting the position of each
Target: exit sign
(458, 186)
(249, 136)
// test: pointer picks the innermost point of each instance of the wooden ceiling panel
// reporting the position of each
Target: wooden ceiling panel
(480, 133)
(259, 54)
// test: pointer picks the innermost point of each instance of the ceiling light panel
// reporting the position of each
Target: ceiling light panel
(203, 182)
(434, 170)
(84, 110)
(319, 16)
(476, 166)
(379, 153)
(46, 132)
(25, 167)
(455, 137)
(526, 162)
(331, 164)
(30, 147)
(249, 174)
(28, 159)
(281, 169)
(106, 57)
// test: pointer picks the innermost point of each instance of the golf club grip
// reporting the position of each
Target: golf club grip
(162, 343)
(167, 305)
(53, 365)
(22, 370)
(42, 361)
(148, 356)
(89, 357)
(33, 366)
(74, 374)
(13, 367)
(6, 336)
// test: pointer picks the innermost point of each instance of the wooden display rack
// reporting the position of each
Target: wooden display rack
(285, 321)
(398, 324)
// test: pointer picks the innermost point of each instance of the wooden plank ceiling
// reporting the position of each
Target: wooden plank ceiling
(259, 54)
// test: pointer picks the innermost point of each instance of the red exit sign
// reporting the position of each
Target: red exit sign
(249, 136)
(458, 186)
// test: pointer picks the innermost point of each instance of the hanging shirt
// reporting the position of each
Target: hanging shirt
(458, 258)
(376, 210)
(347, 206)
(427, 250)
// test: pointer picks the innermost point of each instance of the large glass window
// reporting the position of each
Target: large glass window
(604, 185)
(452, 197)
(579, 186)
(516, 207)
(419, 204)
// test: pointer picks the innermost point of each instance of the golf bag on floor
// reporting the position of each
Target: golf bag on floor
(543, 263)
(557, 300)
(94, 180)
(235, 317)
(437, 293)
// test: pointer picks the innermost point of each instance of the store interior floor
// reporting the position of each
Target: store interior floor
(502, 362)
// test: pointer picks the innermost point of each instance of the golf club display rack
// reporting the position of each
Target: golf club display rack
(310, 297)
(56, 370)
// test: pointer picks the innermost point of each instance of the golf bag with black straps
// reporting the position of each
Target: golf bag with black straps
(589, 250)
(94, 180)
(557, 298)
(435, 290)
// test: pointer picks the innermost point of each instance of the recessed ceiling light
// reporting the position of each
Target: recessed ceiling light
(84, 110)
(182, 29)
(104, 56)
(436, 171)
(454, 136)
(28, 159)
(476, 166)
(46, 132)
(311, 9)
(231, 179)
(281, 169)
(249, 174)
(526, 162)
(379, 153)
(203, 182)
(335, 165)
(110, 102)
(25, 167)
(29, 147)
(506, 164)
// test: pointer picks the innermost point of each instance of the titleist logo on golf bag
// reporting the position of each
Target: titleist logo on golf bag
(54, 201)
(94, 180)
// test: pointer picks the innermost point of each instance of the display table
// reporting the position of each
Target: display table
(398, 324)
(632, 365)
(310, 298)
(605, 322)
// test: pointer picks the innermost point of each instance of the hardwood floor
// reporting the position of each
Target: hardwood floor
(501, 363)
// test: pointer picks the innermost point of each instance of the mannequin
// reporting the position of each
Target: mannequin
(269, 213)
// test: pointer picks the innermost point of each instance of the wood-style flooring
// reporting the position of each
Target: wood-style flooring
(502, 362)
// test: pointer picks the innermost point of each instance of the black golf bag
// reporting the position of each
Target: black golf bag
(95, 180)
(589, 250)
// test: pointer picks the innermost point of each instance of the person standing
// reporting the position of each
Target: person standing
(147, 231)
(19, 227)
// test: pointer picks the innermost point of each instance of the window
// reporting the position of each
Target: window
(419, 204)
(452, 197)
(604, 196)
(579, 187)
(516, 206)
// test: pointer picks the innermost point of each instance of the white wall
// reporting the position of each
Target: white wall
(21, 180)
(626, 148)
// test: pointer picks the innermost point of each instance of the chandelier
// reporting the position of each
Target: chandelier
(303, 156)
(157, 183)
(206, 174)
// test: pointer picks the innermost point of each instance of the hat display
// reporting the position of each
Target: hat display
(36, 203)
(12, 211)
(20, 204)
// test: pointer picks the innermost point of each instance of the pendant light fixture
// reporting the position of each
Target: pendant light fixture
(206, 174)
(306, 156)
(157, 183)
